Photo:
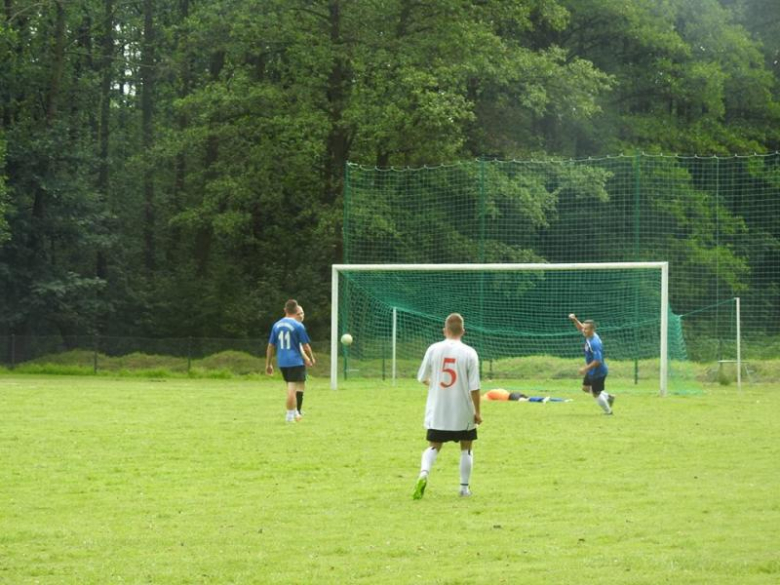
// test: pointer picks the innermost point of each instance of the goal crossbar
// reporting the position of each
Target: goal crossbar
(499, 267)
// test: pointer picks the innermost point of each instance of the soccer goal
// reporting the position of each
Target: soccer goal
(515, 316)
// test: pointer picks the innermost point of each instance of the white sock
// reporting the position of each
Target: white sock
(290, 414)
(428, 459)
(603, 400)
(466, 463)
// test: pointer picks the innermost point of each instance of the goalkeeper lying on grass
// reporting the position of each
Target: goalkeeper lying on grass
(499, 395)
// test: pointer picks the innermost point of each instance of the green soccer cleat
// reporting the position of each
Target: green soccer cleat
(419, 489)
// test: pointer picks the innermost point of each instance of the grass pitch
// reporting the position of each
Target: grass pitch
(200, 481)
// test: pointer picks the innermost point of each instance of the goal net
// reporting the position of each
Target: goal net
(515, 317)
(714, 334)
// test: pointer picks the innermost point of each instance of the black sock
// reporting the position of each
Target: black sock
(299, 400)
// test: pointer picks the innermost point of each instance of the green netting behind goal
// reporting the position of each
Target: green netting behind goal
(515, 319)
(716, 220)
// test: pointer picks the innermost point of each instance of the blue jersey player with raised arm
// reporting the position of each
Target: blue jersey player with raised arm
(595, 370)
(291, 344)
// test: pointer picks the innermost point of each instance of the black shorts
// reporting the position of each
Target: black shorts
(294, 374)
(596, 384)
(435, 436)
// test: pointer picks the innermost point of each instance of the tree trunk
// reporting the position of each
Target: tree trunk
(106, 77)
(37, 236)
(339, 138)
(5, 119)
(83, 65)
(203, 239)
(180, 166)
(147, 132)
(58, 64)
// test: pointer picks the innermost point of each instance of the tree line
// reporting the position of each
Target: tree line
(176, 167)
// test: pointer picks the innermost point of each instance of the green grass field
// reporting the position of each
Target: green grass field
(128, 480)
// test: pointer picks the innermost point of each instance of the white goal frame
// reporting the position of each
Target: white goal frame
(662, 266)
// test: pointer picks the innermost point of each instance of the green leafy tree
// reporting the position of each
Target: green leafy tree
(688, 78)
(177, 168)
(48, 284)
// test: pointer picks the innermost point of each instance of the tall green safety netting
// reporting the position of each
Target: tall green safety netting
(715, 220)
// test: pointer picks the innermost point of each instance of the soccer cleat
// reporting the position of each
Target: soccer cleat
(465, 492)
(298, 416)
(611, 400)
(419, 488)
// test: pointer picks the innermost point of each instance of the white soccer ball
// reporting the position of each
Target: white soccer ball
(346, 339)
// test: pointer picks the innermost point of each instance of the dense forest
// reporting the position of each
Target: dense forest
(176, 167)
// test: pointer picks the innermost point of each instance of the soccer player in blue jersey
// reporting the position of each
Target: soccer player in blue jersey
(595, 370)
(293, 353)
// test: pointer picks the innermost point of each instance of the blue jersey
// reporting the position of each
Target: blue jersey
(594, 350)
(287, 336)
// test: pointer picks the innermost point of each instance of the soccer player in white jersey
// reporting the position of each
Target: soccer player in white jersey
(450, 369)
(290, 342)
(595, 370)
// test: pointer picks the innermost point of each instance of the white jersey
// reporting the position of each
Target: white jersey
(452, 367)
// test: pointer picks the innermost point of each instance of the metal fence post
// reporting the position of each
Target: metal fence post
(189, 353)
(95, 355)
(13, 351)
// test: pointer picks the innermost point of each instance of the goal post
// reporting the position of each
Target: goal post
(715, 334)
(630, 299)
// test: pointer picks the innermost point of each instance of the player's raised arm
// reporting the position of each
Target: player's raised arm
(575, 321)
